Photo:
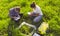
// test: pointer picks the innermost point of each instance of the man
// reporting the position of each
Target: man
(15, 19)
(36, 13)
(14, 13)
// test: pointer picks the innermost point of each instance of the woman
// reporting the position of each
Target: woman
(36, 13)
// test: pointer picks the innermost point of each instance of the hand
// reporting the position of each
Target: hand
(37, 14)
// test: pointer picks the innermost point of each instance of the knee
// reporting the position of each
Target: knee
(35, 20)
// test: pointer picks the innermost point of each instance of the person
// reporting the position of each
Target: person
(36, 14)
(15, 16)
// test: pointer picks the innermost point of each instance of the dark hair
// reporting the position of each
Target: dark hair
(17, 8)
(33, 5)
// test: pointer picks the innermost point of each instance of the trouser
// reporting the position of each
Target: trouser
(36, 21)
(12, 25)
(17, 23)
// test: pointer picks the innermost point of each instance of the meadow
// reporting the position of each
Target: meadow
(50, 9)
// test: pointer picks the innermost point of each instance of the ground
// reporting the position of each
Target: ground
(50, 9)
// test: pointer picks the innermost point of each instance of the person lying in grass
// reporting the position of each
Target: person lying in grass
(15, 15)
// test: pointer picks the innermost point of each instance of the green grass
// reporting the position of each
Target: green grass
(50, 9)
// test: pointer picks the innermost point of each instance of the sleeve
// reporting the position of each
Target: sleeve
(11, 13)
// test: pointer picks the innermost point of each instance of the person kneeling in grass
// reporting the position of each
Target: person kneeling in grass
(36, 13)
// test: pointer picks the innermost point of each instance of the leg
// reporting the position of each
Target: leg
(38, 18)
(17, 23)
(10, 28)
(36, 21)
(9, 31)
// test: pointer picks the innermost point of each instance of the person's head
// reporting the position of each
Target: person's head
(33, 5)
(17, 9)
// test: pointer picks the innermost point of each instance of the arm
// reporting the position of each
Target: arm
(11, 15)
(21, 14)
(34, 14)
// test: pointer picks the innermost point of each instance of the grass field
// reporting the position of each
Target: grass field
(50, 9)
